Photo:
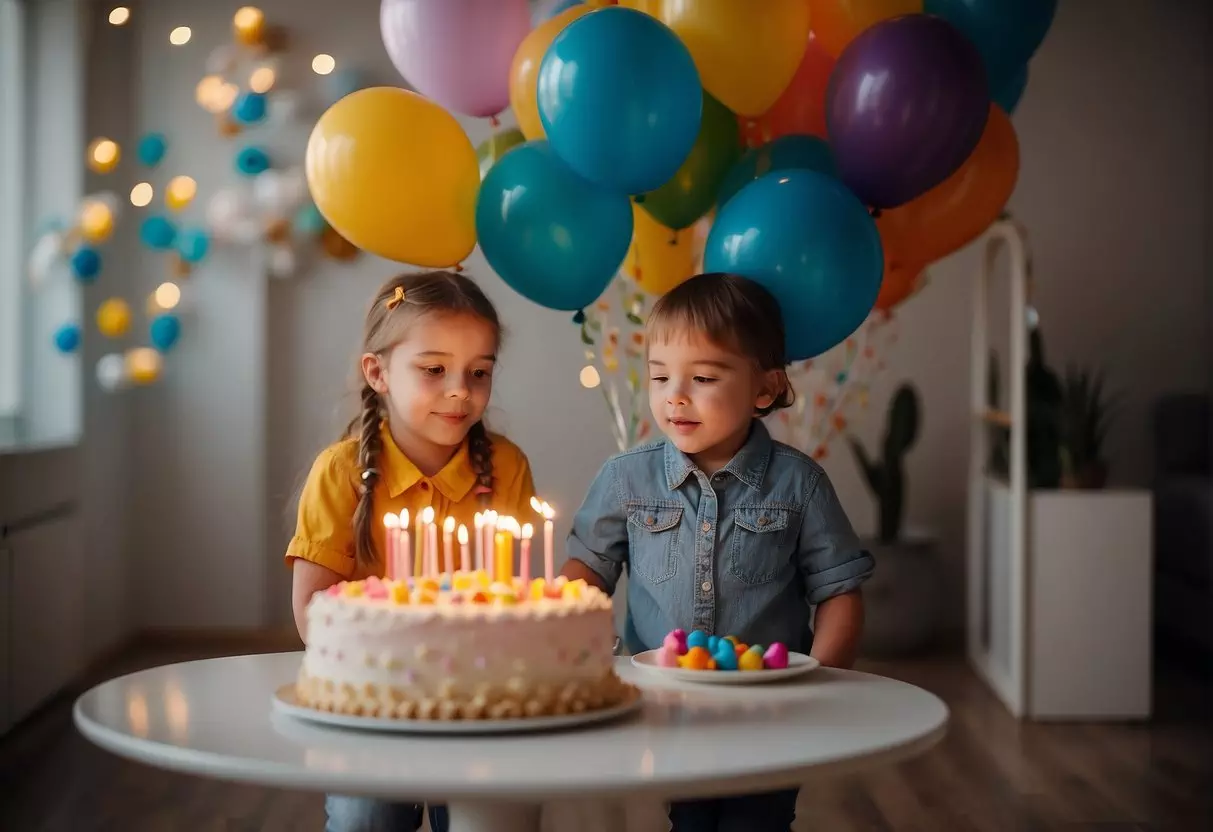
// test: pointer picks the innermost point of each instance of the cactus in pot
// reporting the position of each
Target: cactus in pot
(886, 475)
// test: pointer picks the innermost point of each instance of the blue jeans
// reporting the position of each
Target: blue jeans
(767, 812)
(365, 814)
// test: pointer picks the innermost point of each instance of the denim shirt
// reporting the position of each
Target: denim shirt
(743, 553)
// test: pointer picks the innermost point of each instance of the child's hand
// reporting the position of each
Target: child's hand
(574, 569)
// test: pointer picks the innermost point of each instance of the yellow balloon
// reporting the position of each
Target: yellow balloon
(524, 71)
(659, 257)
(114, 318)
(143, 365)
(395, 175)
(746, 57)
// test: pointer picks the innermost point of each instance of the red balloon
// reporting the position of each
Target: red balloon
(801, 108)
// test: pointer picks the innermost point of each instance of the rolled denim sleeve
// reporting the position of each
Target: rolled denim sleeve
(832, 560)
(599, 537)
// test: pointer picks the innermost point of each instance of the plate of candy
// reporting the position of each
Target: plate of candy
(722, 660)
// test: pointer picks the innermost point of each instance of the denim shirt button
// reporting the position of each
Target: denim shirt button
(707, 527)
(650, 520)
(762, 521)
(706, 586)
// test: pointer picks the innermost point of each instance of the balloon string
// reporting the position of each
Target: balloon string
(494, 122)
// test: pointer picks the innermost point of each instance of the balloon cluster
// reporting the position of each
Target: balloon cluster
(832, 148)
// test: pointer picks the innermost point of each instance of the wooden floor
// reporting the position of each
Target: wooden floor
(989, 773)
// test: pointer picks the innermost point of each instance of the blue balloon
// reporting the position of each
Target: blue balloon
(249, 108)
(86, 264)
(164, 331)
(309, 222)
(806, 238)
(252, 160)
(67, 338)
(158, 232)
(794, 152)
(1008, 96)
(546, 11)
(625, 124)
(193, 244)
(1007, 33)
(151, 149)
(550, 235)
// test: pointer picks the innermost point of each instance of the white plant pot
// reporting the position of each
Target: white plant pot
(901, 599)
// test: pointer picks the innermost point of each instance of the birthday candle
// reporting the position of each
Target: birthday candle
(524, 558)
(463, 547)
(503, 569)
(403, 550)
(391, 525)
(430, 568)
(478, 526)
(490, 535)
(549, 554)
(448, 553)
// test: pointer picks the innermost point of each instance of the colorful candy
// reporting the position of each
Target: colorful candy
(698, 650)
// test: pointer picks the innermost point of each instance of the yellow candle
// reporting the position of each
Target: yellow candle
(503, 567)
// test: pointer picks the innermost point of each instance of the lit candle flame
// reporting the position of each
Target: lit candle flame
(391, 521)
(463, 534)
(404, 518)
(427, 515)
(537, 505)
(448, 525)
(527, 531)
(478, 520)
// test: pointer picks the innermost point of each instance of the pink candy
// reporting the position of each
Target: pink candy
(776, 657)
(676, 642)
(667, 656)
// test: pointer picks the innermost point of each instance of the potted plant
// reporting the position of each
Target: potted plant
(1086, 414)
(900, 609)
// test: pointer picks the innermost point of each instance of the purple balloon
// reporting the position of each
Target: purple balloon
(457, 52)
(906, 105)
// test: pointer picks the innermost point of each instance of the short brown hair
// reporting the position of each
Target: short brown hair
(733, 312)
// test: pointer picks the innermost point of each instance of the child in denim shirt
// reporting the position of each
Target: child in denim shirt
(722, 528)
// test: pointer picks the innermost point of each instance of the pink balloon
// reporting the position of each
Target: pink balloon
(457, 52)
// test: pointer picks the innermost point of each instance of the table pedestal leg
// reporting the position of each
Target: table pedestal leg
(488, 816)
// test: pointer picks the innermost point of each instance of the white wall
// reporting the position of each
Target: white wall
(1113, 189)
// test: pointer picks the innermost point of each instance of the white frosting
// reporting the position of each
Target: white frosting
(460, 650)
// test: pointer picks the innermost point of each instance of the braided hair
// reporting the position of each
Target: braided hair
(398, 302)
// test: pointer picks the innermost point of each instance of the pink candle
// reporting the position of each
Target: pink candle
(448, 547)
(549, 552)
(478, 527)
(524, 564)
(430, 545)
(463, 548)
(490, 537)
(404, 549)
(391, 526)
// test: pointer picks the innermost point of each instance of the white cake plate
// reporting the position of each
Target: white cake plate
(798, 665)
(286, 702)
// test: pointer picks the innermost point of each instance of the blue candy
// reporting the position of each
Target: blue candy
(725, 655)
(697, 638)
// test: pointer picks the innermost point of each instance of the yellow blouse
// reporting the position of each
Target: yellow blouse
(324, 531)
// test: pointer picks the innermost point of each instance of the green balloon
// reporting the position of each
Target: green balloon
(691, 191)
(495, 146)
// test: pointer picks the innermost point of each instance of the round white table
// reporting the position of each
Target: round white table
(214, 718)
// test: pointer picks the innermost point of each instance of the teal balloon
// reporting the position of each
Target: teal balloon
(792, 152)
(549, 234)
(1008, 97)
(309, 222)
(252, 160)
(496, 145)
(691, 191)
(1006, 33)
(67, 338)
(806, 238)
(164, 332)
(85, 263)
(151, 149)
(250, 107)
(158, 232)
(193, 244)
(624, 123)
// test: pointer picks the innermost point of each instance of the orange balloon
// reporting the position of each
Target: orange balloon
(524, 71)
(801, 107)
(955, 212)
(900, 282)
(837, 22)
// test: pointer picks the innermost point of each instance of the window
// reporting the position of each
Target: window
(12, 232)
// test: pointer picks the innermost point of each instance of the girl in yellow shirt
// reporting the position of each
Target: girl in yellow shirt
(429, 350)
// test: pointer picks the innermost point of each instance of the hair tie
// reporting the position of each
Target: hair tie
(396, 299)
(482, 489)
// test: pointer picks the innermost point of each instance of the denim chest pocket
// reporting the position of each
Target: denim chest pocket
(763, 537)
(653, 540)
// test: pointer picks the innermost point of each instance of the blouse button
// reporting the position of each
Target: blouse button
(762, 521)
(425, 486)
(648, 521)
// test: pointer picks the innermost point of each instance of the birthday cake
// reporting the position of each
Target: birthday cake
(461, 646)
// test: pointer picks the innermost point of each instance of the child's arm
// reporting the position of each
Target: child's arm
(598, 542)
(321, 552)
(833, 565)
